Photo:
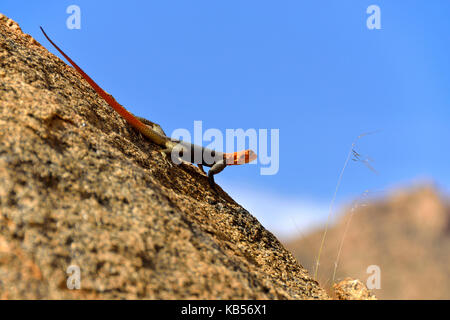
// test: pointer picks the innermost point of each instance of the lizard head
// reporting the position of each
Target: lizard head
(241, 157)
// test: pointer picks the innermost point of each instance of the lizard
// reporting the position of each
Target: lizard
(217, 161)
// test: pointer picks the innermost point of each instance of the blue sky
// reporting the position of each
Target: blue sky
(309, 68)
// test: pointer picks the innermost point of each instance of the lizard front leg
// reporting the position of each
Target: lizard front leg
(216, 168)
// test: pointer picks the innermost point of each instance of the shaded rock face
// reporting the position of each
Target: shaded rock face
(80, 187)
(406, 235)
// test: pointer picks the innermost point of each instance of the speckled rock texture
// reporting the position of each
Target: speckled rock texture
(79, 186)
(352, 289)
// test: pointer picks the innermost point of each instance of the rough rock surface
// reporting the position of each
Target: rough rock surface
(351, 289)
(406, 234)
(80, 187)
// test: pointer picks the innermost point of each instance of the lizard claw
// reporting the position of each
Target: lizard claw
(154, 153)
(201, 168)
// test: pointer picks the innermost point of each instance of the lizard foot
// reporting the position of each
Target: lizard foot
(163, 153)
(212, 183)
(201, 168)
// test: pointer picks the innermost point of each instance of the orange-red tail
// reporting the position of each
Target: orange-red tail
(108, 98)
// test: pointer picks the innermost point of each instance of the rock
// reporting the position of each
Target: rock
(404, 234)
(79, 187)
(352, 289)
